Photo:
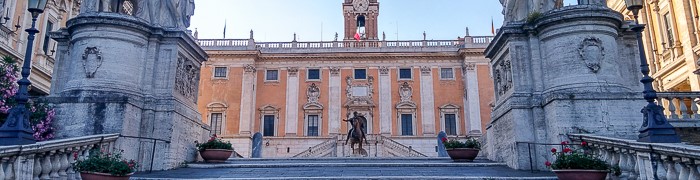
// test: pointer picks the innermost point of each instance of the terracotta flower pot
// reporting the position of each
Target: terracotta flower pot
(102, 176)
(581, 174)
(215, 155)
(463, 154)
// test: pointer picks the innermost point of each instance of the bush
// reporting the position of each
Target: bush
(214, 143)
(569, 158)
(100, 162)
(470, 143)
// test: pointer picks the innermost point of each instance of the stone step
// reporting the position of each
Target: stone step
(347, 168)
(374, 178)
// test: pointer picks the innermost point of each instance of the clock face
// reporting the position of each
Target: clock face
(360, 5)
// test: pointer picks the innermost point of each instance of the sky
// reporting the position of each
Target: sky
(316, 20)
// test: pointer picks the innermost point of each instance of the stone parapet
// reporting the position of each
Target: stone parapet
(50, 159)
(639, 160)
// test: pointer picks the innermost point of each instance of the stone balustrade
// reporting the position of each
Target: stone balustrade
(645, 160)
(399, 149)
(681, 108)
(49, 159)
(249, 44)
(320, 150)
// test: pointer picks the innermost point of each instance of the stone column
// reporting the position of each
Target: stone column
(247, 94)
(472, 109)
(384, 101)
(334, 101)
(292, 107)
(427, 105)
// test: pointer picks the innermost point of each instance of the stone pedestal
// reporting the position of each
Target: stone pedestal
(574, 70)
(116, 73)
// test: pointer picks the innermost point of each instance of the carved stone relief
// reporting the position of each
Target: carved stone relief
(249, 68)
(335, 71)
(468, 67)
(425, 70)
(592, 53)
(503, 76)
(383, 70)
(313, 93)
(187, 79)
(359, 93)
(405, 92)
(92, 60)
(293, 71)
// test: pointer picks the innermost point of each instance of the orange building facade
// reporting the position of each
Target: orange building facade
(296, 94)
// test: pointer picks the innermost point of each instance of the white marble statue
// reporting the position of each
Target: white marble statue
(518, 10)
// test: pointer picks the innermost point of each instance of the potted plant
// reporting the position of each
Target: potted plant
(579, 164)
(215, 150)
(462, 151)
(104, 166)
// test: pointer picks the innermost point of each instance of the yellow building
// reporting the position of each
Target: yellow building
(671, 41)
(14, 19)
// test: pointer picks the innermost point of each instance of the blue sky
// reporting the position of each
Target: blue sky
(315, 20)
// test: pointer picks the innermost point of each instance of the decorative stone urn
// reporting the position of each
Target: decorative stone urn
(215, 155)
(102, 176)
(581, 174)
(463, 154)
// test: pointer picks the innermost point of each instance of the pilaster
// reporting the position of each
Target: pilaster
(334, 101)
(471, 99)
(247, 105)
(384, 101)
(292, 107)
(427, 100)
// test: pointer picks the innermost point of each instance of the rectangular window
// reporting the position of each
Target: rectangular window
(215, 123)
(447, 73)
(360, 74)
(669, 29)
(405, 73)
(269, 125)
(220, 72)
(314, 74)
(451, 124)
(49, 28)
(313, 126)
(407, 124)
(271, 75)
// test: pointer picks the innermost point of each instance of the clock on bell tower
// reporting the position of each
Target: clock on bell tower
(361, 17)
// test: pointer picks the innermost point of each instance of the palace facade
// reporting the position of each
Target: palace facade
(296, 94)
(14, 19)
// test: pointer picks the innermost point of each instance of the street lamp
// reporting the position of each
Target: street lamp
(655, 128)
(16, 130)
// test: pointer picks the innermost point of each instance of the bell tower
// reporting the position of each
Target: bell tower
(361, 17)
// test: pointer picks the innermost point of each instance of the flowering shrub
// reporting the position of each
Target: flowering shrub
(42, 114)
(470, 143)
(99, 162)
(214, 143)
(569, 158)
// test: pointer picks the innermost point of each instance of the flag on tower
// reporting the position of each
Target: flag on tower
(493, 28)
(357, 36)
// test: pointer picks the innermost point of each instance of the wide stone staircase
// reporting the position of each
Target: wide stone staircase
(346, 168)
(376, 146)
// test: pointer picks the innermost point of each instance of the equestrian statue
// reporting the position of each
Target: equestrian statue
(357, 132)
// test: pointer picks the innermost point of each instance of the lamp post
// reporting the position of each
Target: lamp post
(655, 128)
(16, 130)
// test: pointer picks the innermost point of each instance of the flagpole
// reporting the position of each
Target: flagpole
(225, 22)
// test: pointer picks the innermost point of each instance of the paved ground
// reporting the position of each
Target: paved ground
(342, 168)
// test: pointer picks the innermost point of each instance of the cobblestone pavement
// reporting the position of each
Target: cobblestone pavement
(354, 169)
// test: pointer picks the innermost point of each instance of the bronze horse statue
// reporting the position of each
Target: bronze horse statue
(357, 134)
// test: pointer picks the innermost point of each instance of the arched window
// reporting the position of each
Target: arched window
(361, 25)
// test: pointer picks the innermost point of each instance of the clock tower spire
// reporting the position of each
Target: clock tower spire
(361, 17)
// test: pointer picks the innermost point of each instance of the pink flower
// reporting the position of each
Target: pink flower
(567, 150)
(564, 142)
(554, 150)
(547, 163)
(584, 143)
(444, 139)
